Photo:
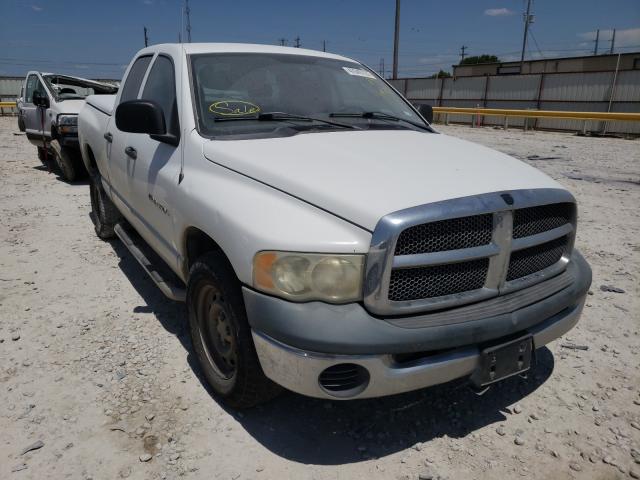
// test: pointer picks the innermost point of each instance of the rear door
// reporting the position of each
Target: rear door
(120, 164)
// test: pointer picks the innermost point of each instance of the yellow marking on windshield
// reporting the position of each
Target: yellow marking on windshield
(233, 108)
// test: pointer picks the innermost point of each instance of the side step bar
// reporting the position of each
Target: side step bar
(170, 290)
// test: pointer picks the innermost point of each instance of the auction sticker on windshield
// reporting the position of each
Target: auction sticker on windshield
(233, 108)
(358, 72)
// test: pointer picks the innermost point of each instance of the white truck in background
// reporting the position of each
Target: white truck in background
(324, 237)
(48, 109)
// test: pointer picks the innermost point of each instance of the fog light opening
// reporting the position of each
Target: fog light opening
(344, 380)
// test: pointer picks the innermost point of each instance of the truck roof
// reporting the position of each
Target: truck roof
(196, 48)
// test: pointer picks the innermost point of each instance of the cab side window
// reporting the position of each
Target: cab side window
(161, 88)
(33, 84)
(132, 84)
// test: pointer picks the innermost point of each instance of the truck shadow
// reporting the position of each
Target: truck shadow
(322, 432)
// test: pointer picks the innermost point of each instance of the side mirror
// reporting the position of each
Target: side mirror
(40, 99)
(140, 116)
(426, 111)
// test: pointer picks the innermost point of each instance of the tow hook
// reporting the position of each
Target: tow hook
(479, 391)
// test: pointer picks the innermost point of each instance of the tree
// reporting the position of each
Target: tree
(440, 74)
(484, 58)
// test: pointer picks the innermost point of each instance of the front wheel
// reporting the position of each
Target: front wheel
(221, 335)
(65, 161)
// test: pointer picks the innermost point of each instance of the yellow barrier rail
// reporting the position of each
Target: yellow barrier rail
(7, 104)
(506, 112)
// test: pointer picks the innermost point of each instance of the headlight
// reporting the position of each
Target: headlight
(309, 276)
(67, 124)
(70, 120)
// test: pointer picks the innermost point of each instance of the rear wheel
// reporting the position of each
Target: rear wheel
(104, 213)
(221, 335)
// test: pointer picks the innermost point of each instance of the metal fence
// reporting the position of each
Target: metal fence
(587, 92)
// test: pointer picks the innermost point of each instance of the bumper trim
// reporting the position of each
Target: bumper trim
(298, 370)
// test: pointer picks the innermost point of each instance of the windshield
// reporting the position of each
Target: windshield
(246, 86)
(65, 88)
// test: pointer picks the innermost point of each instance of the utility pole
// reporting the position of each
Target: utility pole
(324, 45)
(613, 41)
(282, 41)
(595, 49)
(528, 18)
(396, 39)
(146, 39)
(297, 40)
(462, 53)
(187, 12)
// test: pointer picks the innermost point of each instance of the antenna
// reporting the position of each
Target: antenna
(146, 39)
(187, 12)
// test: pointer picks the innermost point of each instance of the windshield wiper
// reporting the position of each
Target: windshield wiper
(378, 116)
(283, 117)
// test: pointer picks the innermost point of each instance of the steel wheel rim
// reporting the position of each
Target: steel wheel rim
(216, 331)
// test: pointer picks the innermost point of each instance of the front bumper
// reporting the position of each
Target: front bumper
(299, 370)
(297, 342)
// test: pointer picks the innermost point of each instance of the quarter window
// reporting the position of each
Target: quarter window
(134, 79)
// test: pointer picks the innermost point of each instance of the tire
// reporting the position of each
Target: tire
(104, 213)
(41, 152)
(65, 161)
(221, 335)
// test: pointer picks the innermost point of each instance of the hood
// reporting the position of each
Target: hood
(68, 106)
(364, 175)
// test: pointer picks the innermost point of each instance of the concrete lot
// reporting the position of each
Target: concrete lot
(97, 364)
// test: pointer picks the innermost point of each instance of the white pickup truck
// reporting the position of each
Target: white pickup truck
(324, 237)
(48, 109)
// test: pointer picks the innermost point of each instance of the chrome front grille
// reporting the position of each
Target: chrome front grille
(464, 250)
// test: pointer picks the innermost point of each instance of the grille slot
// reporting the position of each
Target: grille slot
(452, 234)
(436, 281)
(533, 220)
(533, 259)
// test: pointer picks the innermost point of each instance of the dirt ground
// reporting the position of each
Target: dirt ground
(97, 365)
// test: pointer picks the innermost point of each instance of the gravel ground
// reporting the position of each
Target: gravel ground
(99, 380)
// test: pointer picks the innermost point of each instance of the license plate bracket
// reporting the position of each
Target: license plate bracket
(498, 362)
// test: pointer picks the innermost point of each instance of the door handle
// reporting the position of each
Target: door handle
(108, 137)
(131, 152)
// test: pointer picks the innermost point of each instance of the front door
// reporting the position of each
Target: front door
(32, 114)
(153, 167)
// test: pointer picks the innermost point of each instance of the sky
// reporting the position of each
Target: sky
(96, 39)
